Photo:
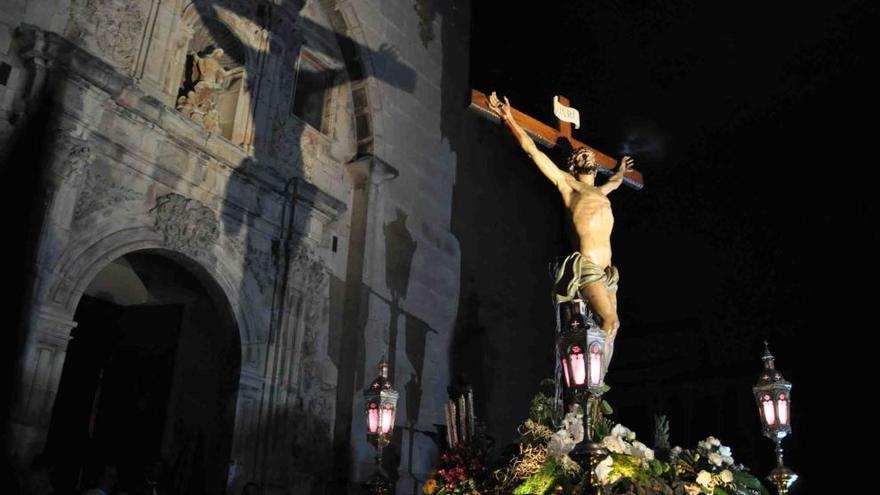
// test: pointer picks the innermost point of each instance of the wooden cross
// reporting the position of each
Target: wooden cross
(548, 136)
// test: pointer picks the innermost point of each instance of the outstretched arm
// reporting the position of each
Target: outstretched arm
(545, 165)
(616, 180)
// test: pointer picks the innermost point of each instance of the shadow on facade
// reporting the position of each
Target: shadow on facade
(293, 432)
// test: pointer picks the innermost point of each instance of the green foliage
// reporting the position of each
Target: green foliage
(599, 410)
(745, 479)
(542, 482)
(636, 470)
(661, 432)
(542, 410)
(658, 468)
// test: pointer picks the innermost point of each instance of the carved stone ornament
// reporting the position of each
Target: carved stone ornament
(258, 262)
(95, 190)
(187, 225)
(308, 272)
(78, 157)
(117, 26)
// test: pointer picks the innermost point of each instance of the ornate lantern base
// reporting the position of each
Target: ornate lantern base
(588, 454)
(782, 478)
(378, 484)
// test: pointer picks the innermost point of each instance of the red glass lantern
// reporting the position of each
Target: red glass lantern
(582, 352)
(381, 405)
(773, 396)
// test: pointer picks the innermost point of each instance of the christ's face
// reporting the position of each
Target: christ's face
(582, 162)
(589, 169)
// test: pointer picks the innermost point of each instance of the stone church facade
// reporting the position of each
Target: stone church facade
(277, 176)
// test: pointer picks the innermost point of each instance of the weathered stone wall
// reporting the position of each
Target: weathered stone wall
(266, 210)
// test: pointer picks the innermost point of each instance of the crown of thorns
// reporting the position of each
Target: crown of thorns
(582, 158)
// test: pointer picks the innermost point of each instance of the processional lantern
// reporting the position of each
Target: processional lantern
(380, 401)
(773, 398)
(581, 346)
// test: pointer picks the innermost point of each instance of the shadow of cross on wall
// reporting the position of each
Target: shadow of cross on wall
(384, 64)
(268, 69)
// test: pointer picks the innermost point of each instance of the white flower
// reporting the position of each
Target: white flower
(713, 442)
(560, 444)
(704, 478)
(574, 426)
(563, 441)
(703, 445)
(642, 451)
(675, 452)
(724, 450)
(726, 476)
(715, 459)
(615, 444)
(622, 432)
(727, 460)
(603, 469)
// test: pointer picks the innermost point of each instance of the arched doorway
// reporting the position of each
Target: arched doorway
(150, 379)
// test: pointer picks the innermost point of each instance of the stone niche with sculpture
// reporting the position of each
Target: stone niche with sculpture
(213, 79)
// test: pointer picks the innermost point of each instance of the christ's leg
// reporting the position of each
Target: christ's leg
(604, 305)
(609, 345)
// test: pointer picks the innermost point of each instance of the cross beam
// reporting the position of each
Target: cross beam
(548, 136)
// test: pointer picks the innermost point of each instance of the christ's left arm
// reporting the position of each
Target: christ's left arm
(626, 163)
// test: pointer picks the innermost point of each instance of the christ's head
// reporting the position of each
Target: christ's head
(582, 161)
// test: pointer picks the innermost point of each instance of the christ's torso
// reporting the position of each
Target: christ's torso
(591, 214)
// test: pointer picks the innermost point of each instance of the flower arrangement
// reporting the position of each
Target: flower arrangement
(541, 464)
(460, 473)
(630, 463)
(710, 469)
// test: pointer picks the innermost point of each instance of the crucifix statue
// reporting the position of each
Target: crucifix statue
(587, 273)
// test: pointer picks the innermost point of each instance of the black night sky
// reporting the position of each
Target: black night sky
(747, 120)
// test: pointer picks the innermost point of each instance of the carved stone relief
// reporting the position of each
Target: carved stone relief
(187, 225)
(259, 263)
(97, 191)
(78, 157)
(115, 26)
(307, 271)
(74, 157)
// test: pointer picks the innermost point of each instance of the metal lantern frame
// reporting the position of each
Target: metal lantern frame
(773, 398)
(380, 410)
(580, 347)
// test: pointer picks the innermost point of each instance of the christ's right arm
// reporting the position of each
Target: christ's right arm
(545, 165)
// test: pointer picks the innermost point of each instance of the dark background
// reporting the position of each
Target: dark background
(753, 125)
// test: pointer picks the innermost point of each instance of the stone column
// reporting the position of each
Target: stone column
(39, 374)
(350, 445)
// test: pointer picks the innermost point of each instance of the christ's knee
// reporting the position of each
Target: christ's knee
(610, 323)
(609, 348)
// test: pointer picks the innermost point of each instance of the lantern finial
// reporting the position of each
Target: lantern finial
(768, 357)
(383, 367)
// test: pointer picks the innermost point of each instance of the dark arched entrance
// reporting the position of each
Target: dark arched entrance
(149, 380)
